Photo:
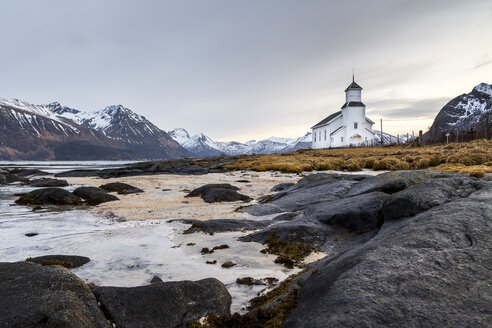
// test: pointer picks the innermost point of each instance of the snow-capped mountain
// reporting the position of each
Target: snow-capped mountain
(120, 123)
(43, 132)
(465, 117)
(201, 145)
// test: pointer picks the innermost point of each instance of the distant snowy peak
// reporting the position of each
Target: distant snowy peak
(201, 145)
(30, 114)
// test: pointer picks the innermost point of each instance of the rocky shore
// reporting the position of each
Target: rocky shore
(404, 248)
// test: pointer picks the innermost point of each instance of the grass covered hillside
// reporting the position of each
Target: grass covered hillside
(474, 158)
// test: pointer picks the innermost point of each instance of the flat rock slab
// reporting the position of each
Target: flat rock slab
(164, 304)
(32, 295)
(52, 196)
(121, 188)
(94, 195)
(68, 261)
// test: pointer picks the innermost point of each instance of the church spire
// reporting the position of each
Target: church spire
(353, 75)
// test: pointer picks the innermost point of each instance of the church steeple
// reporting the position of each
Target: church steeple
(353, 91)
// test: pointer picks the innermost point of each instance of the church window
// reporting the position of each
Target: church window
(355, 125)
(341, 139)
(314, 136)
(325, 134)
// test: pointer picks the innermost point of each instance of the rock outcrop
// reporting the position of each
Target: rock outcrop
(32, 295)
(94, 195)
(212, 193)
(417, 252)
(49, 196)
(121, 188)
(164, 304)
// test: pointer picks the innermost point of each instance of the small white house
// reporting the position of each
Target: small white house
(347, 127)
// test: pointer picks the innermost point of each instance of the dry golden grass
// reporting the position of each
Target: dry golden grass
(473, 157)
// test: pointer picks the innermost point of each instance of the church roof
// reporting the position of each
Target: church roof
(328, 119)
(353, 86)
(353, 104)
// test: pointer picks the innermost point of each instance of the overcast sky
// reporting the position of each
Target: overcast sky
(250, 69)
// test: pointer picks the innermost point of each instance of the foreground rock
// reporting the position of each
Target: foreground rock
(418, 253)
(49, 196)
(46, 296)
(431, 270)
(164, 304)
(212, 193)
(47, 182)
(94, 195)
(67, 261)
(121, 188)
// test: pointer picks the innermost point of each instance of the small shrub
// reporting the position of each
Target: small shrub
(422, 163)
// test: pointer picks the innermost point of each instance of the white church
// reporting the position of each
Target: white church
(348, 127)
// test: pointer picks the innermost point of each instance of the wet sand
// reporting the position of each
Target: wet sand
(164, 195)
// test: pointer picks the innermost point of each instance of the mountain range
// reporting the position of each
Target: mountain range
(56, 132)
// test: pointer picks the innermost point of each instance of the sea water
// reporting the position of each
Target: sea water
(128, 253)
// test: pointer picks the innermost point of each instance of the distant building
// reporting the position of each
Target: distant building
(347, 127)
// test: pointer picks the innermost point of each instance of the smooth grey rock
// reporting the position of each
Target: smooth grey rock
(224, 195)
(32, 295)
(359, 212)
(94, 195)
(47, 182)
(282, 186)
(223, 192)
(68, 261)
(121, 188)
(163, 304)
(53, 196)
(200, 191)
(431, 270)
(394, 181)
(428, 194)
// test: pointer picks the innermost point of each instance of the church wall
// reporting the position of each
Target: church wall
(353, 115)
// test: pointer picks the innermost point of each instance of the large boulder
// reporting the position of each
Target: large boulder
(94, 195)
(212, 193)
(121, 188)
(200, 191)
(47, 182)
(32, 295)
(53, 196)
(429, 270)
(224, 225)
(164, 304)
(67, 261)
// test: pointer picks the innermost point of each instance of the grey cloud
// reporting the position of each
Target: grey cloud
(251, 68)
